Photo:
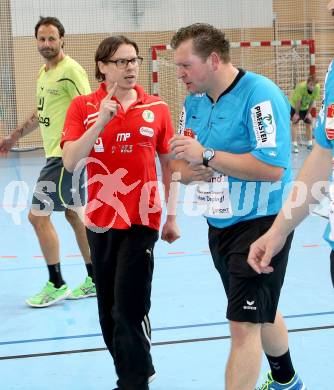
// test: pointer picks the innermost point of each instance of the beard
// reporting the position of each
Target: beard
(49, 53)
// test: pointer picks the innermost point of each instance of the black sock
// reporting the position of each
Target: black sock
(282, 369)
(89, 267)
(332, 267)
(55, 275)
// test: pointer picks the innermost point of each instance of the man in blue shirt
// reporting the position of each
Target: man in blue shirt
(240, 156)
(316, 168)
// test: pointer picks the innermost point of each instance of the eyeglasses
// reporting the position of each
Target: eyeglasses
(122, 63)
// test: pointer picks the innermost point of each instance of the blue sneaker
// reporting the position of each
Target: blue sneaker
(295, 384)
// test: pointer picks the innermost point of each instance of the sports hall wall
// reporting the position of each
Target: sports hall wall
(242, 20)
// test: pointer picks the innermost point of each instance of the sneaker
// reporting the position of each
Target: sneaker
(309, 147)
(85, 290)
(295, 149)
(49, 295)
(295, 384)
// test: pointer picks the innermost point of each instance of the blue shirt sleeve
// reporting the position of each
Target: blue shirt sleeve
(269, 124)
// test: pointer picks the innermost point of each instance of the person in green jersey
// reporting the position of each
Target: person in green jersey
(302, 102)
(60, 79)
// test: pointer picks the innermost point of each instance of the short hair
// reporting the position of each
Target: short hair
(107, 48)
(206, 39)
(45, 21)
(312, 78)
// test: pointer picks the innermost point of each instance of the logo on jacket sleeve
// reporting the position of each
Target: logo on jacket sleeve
(98, 146)
(264, 125)
(182, 121)
(148, 116)
(330, 122)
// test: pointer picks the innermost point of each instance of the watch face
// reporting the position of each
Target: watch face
(208, 154)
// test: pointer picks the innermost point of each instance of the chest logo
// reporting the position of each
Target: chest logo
(146, 131)
(148, 116)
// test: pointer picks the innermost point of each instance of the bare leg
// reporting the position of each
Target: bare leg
(294, 131)
(80, 233)
(309, 127)
(244, 362)
(47, 236)
(275, 337)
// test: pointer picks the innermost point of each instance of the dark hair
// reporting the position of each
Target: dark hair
(45, 21)
(206, 39)
(107, 49)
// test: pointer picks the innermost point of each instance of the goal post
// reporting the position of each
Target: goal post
(286, 62)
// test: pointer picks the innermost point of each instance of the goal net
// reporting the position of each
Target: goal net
(286, 62)
(150, 23)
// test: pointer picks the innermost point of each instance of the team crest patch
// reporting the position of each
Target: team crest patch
(330, 122)
(147, 131)
(148, 116)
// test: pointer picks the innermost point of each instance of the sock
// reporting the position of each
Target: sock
(332, 267)
(55, 275)
(309, 142)
(89, 267)
(295, 143)
(282, 369)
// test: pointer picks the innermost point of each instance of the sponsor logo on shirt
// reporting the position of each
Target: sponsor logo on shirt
(182, 122)
(264, 125)
(98, 146)
(330, 122)
(122, 136)
(148, 116)
(147, 131)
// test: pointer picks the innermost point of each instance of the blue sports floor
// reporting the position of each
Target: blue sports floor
(61, 347)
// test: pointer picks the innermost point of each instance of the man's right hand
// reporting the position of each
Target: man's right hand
(6, 144)
(200, 172)
(108, 108)
(295, 118)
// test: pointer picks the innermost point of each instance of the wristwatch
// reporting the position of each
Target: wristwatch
(208, 154)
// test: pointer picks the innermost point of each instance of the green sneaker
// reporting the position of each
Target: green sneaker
(49, 295)
(85, 290)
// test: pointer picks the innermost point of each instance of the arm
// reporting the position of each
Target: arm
(242, 166)
(316, 168)
(170, 230)
(29, 125)
(74, 151)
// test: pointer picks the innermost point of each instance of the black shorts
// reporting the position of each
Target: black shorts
(251, 297)
(302, 115)
(54, 190)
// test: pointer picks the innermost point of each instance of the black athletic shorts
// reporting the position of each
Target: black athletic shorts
(251, 297)
(54, 190)
(302, 115)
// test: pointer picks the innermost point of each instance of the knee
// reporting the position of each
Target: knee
(72, 217)
(38, 222)
(244, 332)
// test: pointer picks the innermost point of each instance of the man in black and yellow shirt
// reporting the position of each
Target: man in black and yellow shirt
(60, 79)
